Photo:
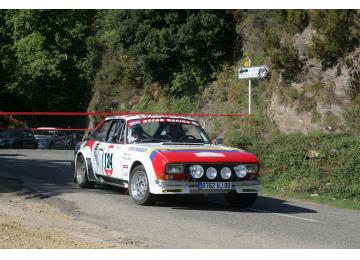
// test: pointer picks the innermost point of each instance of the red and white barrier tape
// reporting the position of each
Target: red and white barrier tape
(113, 114)
(109, 114)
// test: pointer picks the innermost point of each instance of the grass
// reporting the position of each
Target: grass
(321, 199)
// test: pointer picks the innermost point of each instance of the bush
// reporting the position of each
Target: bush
(326, 164)
(338, 34)
(297, 20)
(284, 56)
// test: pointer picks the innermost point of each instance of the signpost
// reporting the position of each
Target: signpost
(248, 72)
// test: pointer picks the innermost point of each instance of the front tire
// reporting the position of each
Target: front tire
(139, 187)
(81, 174)
(241, 200)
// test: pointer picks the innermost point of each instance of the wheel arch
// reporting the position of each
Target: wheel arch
(75, 164)
(135, 164)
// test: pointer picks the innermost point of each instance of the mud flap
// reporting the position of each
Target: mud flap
(91, 174)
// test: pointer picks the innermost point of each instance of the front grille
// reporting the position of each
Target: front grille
(218, 167)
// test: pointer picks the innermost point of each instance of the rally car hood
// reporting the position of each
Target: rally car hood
(199, 153)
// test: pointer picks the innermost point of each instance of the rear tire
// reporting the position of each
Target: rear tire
(81, 174)
(139, 187)
(241, 200)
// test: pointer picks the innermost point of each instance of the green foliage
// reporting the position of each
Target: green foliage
(240, 137)
(339, 32)
(50, 59)
(297, 20)
(7, 64)
(284, 56)
(179, 49)
(324, 164)
(352, 116)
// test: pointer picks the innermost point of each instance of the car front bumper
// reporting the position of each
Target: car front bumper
(186, 187)
(43, 145)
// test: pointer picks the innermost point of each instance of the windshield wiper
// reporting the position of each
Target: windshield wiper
(150, 140)
(182, 143)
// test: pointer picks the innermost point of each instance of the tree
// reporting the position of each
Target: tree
(51, 70)
(178, 49)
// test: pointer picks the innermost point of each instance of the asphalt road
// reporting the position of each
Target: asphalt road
(180, 222)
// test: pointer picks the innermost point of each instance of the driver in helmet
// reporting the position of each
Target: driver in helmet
(176, 133)
(136, 133)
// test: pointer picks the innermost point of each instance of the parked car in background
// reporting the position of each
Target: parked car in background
(50, 138)
(18, 138)
(74, 138)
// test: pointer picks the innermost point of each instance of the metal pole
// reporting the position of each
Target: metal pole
(249, 96)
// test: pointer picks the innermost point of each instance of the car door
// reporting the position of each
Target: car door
(99, 136)
(59, 140)
(112, 161)
(26, 139)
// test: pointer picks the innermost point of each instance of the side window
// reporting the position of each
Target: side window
(112, 131)
(121, 134)
(116, 132)
(60, 133)
(101, 133)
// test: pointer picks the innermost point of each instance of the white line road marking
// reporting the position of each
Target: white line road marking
(289, 216)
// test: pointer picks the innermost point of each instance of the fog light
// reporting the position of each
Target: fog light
(211, 173)
(225, 173)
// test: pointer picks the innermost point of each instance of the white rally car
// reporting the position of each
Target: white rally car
(157, 154)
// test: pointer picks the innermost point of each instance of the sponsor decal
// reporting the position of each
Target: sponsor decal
(108, 160)
(209, 154)
(155, 119)
(177, 120)
(152, 120)
(177, 190)
(137, 149)
(96, 156)
(133, 122)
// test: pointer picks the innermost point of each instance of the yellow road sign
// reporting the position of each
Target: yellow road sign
(247, 63)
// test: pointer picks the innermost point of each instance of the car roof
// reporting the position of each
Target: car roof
(145, 116)
(45, 128)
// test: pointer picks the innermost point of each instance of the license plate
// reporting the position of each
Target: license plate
(214, 185)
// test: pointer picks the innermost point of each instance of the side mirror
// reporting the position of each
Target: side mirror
(218, 140)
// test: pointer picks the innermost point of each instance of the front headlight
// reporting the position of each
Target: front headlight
(252, 168)
(211, 173)
(196, 171)
(240, 170)
(174, 169)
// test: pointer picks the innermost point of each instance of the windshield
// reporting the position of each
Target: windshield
(7, 134)
(44, 132)
(166, 130)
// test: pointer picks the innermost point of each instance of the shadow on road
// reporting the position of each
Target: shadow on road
(41, 178)
(34, 178)
(44, 178)
(217, 202)
(11, 154)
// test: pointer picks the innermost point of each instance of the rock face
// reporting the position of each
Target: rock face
(318, 100)
(287, 119)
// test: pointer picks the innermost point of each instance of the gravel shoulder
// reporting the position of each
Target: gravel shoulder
(31, 223)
